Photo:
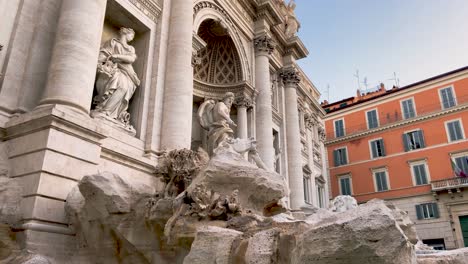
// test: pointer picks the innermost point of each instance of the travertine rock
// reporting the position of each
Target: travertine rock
(10, 198)
(212, 245)
(228, 171)
(366, 234)
(343, 203)
(109, 215)
(458, 256)
(262, 248)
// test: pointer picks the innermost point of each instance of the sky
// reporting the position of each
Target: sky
(416, 39)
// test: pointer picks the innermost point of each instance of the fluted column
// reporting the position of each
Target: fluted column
(311, 122)
(264, 133)
(291, 80)
(74, 57)
(242, 103)
(178, 92)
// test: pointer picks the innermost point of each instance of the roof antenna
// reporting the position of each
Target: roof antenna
(395, 79)
(358, 81)
(366, 84)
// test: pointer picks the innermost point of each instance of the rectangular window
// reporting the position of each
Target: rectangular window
(372, 120)
(380, 178)
(419, 174)
(413, 140)
(377, 148)
(447, 98)
(462, 163)
(339, 128)
(345, 185)
(454, 130)
(320, 195)
(408, 108)
(427, 211)
(340, 157)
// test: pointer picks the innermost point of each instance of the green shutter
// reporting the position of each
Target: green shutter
(335, 158)
(419, 213)
(344, 157)
(405, 142)
(382, 147)
(374, 149)
(421, 139)
(435, 209)
(451, 129)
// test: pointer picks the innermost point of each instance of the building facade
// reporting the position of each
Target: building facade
(404, 145)
(59, 120)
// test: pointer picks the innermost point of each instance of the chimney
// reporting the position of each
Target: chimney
(382, 87)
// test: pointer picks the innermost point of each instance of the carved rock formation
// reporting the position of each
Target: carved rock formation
(457, 256)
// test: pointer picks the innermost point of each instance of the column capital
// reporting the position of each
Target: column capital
(311, 119)
(264, 45)
(290, 76)
(243, 101)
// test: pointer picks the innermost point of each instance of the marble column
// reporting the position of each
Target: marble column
(291, 80)
(176, 129)
(242, 103)
(264, 119)
(74, 57)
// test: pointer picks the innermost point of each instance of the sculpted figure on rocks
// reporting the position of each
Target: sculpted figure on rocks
(215, 118)
(116, 79)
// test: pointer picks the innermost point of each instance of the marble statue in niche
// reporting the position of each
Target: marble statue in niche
(116, 80)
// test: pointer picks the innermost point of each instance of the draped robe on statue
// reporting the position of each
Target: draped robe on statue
(116, 81)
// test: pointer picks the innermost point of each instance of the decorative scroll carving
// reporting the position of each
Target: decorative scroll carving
(264, 44)
(149, 8)
(311, 120)
(321, 133)
(243, 101)
(196, 59)
(290, 76)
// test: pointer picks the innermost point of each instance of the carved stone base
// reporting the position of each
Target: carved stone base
(114, 123)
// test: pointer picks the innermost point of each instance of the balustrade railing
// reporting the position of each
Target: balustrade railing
(449, 183)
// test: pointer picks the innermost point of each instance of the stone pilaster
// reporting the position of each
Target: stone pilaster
(264, 134)
(74, 57)
(310, 122)
(242, 103)
(291, 80)
(178, 93)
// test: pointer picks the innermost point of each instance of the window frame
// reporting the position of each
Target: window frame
(387, 179)
(435, 210)
(423, 139)
(457, 155)
(307, 186)
(350, 178)
(461, 128)
(439, 91)
(370, 148)
(344, 127)
(376, 117)
(426, 168)
(403, 111)
(347, 156)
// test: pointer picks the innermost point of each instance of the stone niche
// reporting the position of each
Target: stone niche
(121, 13)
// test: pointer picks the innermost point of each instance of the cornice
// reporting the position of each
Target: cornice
(397, 124)
(269, 11)
(206, 90)
(150, 8)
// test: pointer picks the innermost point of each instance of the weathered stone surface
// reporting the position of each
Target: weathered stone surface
(10, 199)
(343, 203)
(458, 256)
(109, 215)
(366, 234)
(212, 245)
(228, 171)
(262, 248)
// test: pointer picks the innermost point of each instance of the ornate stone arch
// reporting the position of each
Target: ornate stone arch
(204, 10)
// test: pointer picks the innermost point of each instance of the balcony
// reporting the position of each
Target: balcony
(395, 118)
(449, 184)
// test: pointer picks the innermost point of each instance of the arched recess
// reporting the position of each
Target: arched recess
(204, 10)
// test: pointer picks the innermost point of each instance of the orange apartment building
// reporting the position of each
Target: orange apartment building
(402, 145)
